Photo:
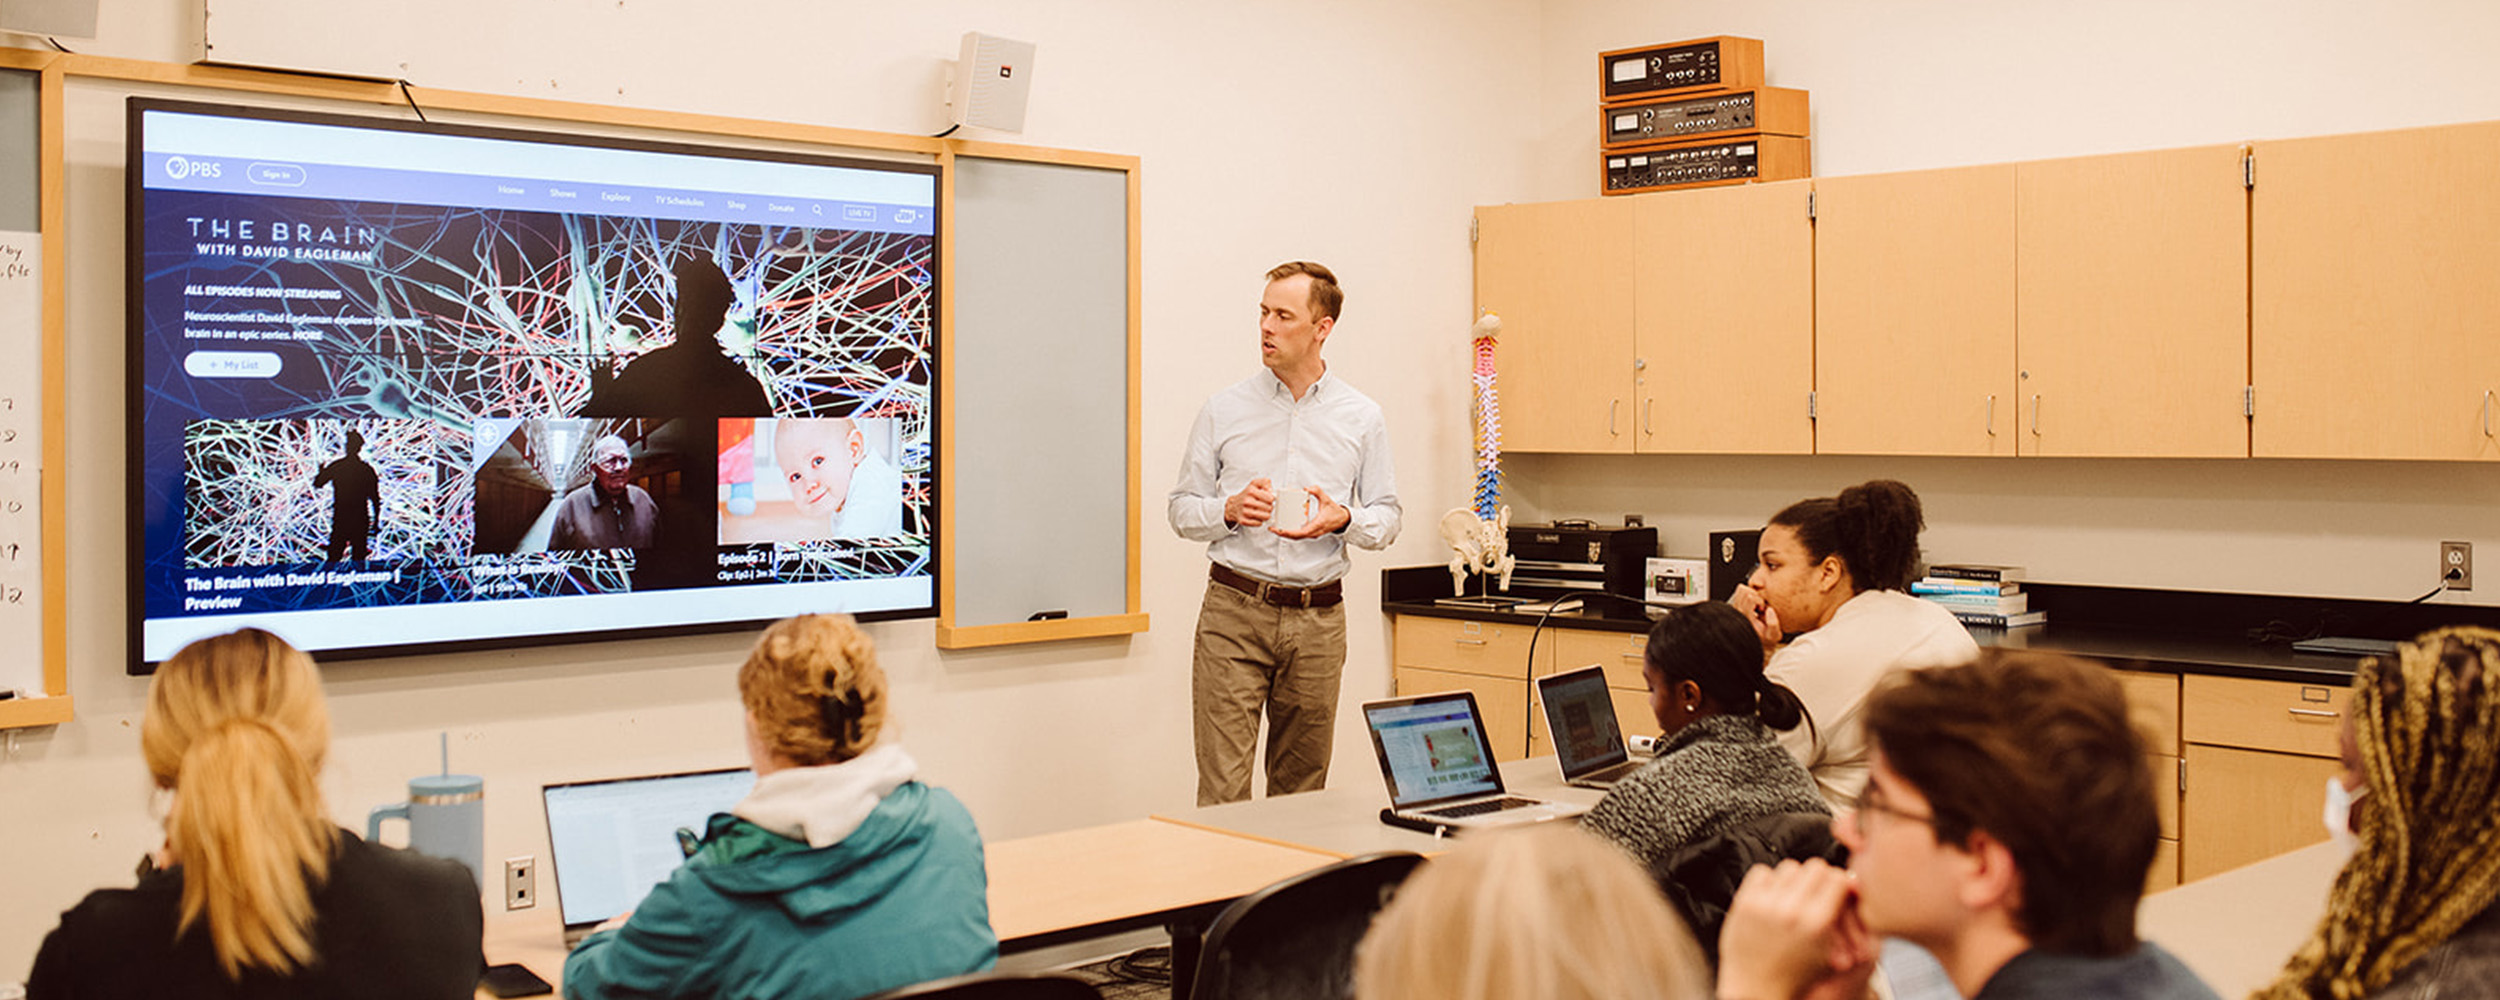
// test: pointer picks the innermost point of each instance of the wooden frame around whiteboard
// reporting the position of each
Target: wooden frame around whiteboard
(55, 69)
(1134, 619)
(56, 706)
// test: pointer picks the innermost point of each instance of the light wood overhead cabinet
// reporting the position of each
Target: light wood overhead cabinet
(2132, 314)
(2375, 295)
(1723, 320)
(1560, 276)
(1914, 313)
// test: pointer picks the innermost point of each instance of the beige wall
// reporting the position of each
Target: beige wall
(1912, 84)
(1264, 138)
(1358, 133)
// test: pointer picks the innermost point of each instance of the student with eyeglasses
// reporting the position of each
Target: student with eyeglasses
(2006, 827)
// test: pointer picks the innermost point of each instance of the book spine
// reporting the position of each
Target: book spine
(1983, 619)
(1988, 588)
(2010, 604)
(1967, 571)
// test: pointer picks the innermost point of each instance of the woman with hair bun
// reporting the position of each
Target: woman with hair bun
(1718, 764)
(1837, 569)
(840, 875)
(256, 893)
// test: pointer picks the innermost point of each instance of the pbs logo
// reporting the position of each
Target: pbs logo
(180, 168)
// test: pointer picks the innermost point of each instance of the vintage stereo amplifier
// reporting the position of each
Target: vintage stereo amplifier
(1679, 67)
(1767, 110)
(1733, 160)
(1561, 560)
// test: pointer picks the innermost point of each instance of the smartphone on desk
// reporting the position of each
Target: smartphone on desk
(513, 979)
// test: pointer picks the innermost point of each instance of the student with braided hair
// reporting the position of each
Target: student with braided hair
(2411, 916)
(256, 893)
(1836, 569)
(840, 875)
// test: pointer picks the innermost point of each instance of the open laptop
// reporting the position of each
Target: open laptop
(1588, 741)
(1440, 767)
(609, 842)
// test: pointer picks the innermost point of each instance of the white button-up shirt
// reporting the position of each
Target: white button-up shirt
(1333, 438)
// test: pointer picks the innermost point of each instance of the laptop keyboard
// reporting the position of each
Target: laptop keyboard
(1481, 808)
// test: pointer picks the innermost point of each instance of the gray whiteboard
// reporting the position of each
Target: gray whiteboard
(1039, 398)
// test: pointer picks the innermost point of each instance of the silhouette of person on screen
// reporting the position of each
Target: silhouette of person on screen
(355, 500)
(690, 376)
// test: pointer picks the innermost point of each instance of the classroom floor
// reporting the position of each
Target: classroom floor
(1144, 974)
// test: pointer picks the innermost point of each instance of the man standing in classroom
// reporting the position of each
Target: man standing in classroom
(1283, 470)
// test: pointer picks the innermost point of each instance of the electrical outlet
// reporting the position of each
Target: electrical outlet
(520, 882)
(2456, 565)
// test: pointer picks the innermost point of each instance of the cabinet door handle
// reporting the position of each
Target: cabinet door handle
(1611, 406)
(2486, 413)
(1992, 414)
(1649, 408)
(2035, 414)
(2315, 713)
(1479, 642)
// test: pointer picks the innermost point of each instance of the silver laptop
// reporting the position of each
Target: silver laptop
(1440, 767)
(1588, 740)
(609, 842)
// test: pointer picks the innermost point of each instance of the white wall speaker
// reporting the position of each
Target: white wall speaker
(991, 82)
(57, 18)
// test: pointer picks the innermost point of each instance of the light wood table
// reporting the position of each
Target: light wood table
(1344, 819)
(2238, 928)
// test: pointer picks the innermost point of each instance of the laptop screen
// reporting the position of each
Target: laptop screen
(609, 842)
(1580, 714)
(1432, 748)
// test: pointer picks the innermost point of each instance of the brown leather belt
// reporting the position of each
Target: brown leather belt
(1326, 595)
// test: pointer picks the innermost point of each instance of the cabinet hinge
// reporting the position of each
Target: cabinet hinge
(1471, 232)
(1810, 404)
(1809, 206)
(2248, 401)
(2248, 170)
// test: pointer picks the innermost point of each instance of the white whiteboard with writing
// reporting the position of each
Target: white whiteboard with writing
(21, 452)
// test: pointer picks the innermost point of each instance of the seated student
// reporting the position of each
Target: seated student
(1718, 764)
(1546, 912)
(2006, 827)
(256, 893)
(2412, 915)
(1835, 569)
(837, 877)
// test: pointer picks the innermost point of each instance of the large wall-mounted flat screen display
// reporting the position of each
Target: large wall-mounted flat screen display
(398, 387)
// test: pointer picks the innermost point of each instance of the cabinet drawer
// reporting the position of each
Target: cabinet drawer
(2153, 701)
(1469, 647)
(2263, 715)
(1619, 653)
(1503, 702)
(2165, 871)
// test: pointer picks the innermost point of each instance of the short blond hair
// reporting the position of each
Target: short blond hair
(1549, 912)
(814, 689)
(237, 728)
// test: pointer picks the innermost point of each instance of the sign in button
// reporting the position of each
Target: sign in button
(276, 174)
(232, 364)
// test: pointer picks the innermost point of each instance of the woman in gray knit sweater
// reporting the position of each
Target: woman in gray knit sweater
(1718, 763)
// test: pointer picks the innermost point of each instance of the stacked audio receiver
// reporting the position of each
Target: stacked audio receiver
(1694, 114)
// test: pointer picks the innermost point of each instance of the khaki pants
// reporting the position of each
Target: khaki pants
(1251, 655)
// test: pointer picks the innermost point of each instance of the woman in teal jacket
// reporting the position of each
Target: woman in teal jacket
(839, 876)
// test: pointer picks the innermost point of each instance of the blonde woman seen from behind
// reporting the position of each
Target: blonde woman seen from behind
(258, 894)
(1548, 913)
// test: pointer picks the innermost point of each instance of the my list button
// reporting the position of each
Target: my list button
(275, 174)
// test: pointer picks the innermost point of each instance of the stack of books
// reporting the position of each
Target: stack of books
(1981, 596)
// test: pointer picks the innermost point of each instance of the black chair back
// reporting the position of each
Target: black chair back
(1295, 940)
(1701, 879)
(996, 986)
